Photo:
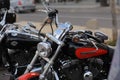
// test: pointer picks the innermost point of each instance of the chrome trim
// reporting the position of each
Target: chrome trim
(30, 66)
(54, 39)
(62, 29)
(36, 70)
(44, 49)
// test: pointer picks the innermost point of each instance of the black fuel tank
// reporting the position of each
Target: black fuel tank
(14, 39)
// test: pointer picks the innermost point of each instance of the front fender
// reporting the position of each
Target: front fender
(28, 76)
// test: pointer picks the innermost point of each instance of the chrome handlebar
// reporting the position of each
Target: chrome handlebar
(54, 39)
(52, 13)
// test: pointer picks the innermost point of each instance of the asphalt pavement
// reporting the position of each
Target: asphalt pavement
(80, 13)
(4, 74)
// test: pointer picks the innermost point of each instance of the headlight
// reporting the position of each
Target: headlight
(44, 49)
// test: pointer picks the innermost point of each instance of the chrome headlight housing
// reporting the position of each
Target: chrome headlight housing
(44, 49)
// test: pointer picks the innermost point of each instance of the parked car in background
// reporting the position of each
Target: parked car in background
(23, 5)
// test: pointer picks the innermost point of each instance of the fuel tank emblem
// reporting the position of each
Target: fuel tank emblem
(14, 34)
(14, 43)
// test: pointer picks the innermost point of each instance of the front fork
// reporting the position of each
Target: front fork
(46, 67)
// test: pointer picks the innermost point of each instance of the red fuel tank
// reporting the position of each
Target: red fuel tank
(88, 52)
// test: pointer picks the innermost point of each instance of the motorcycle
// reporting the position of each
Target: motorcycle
(69, 55)
(17, 46)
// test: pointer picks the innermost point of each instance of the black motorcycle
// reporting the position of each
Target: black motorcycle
(17, 47)
(70, 55)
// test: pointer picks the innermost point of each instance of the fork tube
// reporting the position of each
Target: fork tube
(42, 76)
(30, 66)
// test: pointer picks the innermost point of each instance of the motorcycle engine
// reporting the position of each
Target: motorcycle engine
(20, 57)
(96, 67)
(74, 69)
(70, 70)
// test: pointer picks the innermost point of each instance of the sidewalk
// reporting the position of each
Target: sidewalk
(87, 4)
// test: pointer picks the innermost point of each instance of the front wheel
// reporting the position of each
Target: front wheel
(34, 76)
(29, 76)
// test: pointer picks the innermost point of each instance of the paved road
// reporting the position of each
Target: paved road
(77, 16)
(3, 74)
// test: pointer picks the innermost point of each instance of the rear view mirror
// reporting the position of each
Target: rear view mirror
(101, 36)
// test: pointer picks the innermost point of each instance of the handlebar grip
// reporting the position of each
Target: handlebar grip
(54, 39)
